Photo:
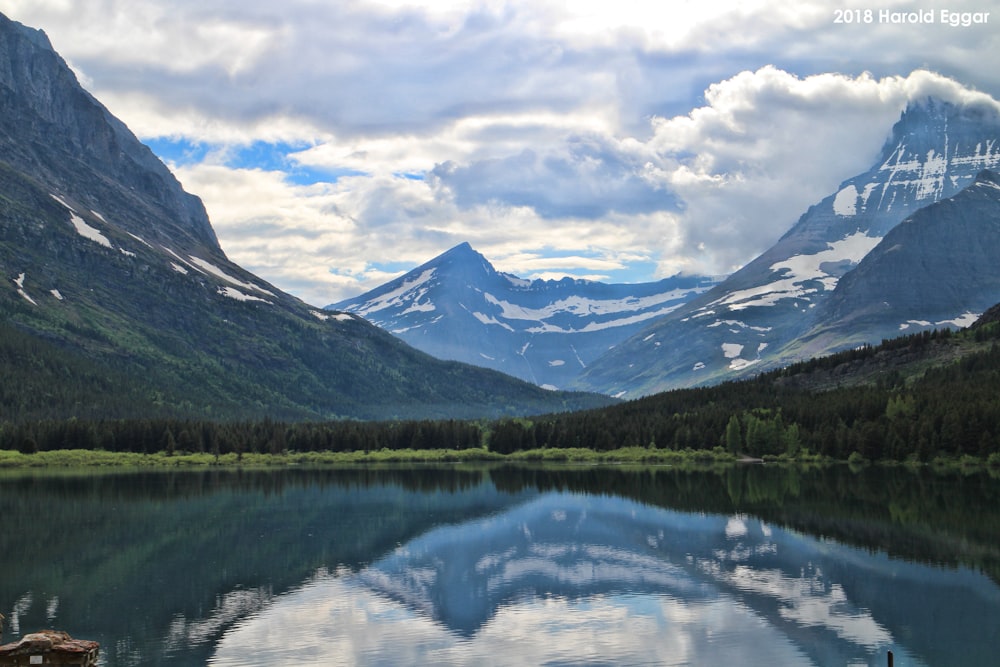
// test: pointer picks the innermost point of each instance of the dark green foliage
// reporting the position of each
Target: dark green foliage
(951, 410)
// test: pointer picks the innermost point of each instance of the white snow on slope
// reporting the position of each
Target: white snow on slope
(208, 267)
(417, 307)
(850, 202)
(926, 177)
(82, 228)
(988, 184)
(609, 324)
(488, 319)
(846, 201)
(56, 294)
(737, 323)
(739, 364)
(338, 317)
(397, 296)
(88, 232)
(234, 293)
(732, 350)
(19, 281)
(584, 307)
(62, 201)
(964, 320)
(138, 238)
(801, 268)
(178, 268)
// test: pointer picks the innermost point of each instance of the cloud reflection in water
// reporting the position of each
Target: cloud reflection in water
(570, 579)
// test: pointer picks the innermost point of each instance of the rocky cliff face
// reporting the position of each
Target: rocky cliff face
(52, 127)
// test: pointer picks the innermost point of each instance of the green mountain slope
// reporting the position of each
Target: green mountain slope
(113, 278)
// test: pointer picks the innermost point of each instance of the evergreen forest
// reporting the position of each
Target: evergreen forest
(917, 398)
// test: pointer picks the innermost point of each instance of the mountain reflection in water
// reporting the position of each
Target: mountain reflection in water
(507, 565)
(579, 579)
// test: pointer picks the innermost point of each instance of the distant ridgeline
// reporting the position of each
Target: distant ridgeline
(919, 397)
(909, 245)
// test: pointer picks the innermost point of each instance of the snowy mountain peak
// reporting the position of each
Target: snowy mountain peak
(458, 306)
(935, 150)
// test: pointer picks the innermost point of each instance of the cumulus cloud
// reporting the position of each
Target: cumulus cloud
(586, 177)
(626, 141)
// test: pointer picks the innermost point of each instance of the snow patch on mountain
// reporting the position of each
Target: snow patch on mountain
(964, 320)
(489, 319)
(732, 350)
(457, 306)
(208, 267)
(234, 293)
(517, 282)
(88, 232)
(737, 323)
(82, 228)
(19, 281)
(846, 201)
(799, 270)
(396, 297)
(336, 317)
(56, 294)
(137, 238)
(584, 306)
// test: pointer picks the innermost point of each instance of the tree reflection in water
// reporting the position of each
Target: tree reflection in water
(175, 568)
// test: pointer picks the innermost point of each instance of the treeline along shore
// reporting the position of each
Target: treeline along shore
(882, 409)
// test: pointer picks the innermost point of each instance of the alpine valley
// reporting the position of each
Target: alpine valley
(119, 301)
(908, 246)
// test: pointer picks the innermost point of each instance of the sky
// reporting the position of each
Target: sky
(338, 143)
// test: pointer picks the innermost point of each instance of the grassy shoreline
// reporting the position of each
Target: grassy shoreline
(84, 458)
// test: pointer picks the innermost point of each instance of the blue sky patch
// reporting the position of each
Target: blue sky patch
(258, 155)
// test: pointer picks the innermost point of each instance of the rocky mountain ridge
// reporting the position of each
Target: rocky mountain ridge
(458, 306)
(753, 320)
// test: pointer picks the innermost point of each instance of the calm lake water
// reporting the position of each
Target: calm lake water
(508, 566)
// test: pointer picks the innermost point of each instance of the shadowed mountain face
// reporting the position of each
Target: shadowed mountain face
(937, 268)
(118, 300)
(753, 320)
(56, 132)
(457, 306)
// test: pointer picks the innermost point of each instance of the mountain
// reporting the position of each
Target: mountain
(936, 268)
(457, 306)
(117, 299)
(751, 321)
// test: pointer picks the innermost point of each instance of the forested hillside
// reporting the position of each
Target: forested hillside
(918, 397)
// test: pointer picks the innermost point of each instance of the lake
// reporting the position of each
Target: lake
(505, 565)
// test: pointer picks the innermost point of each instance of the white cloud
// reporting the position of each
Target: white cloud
(686, 136)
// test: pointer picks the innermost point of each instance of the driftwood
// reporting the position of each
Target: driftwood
(49, 647)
